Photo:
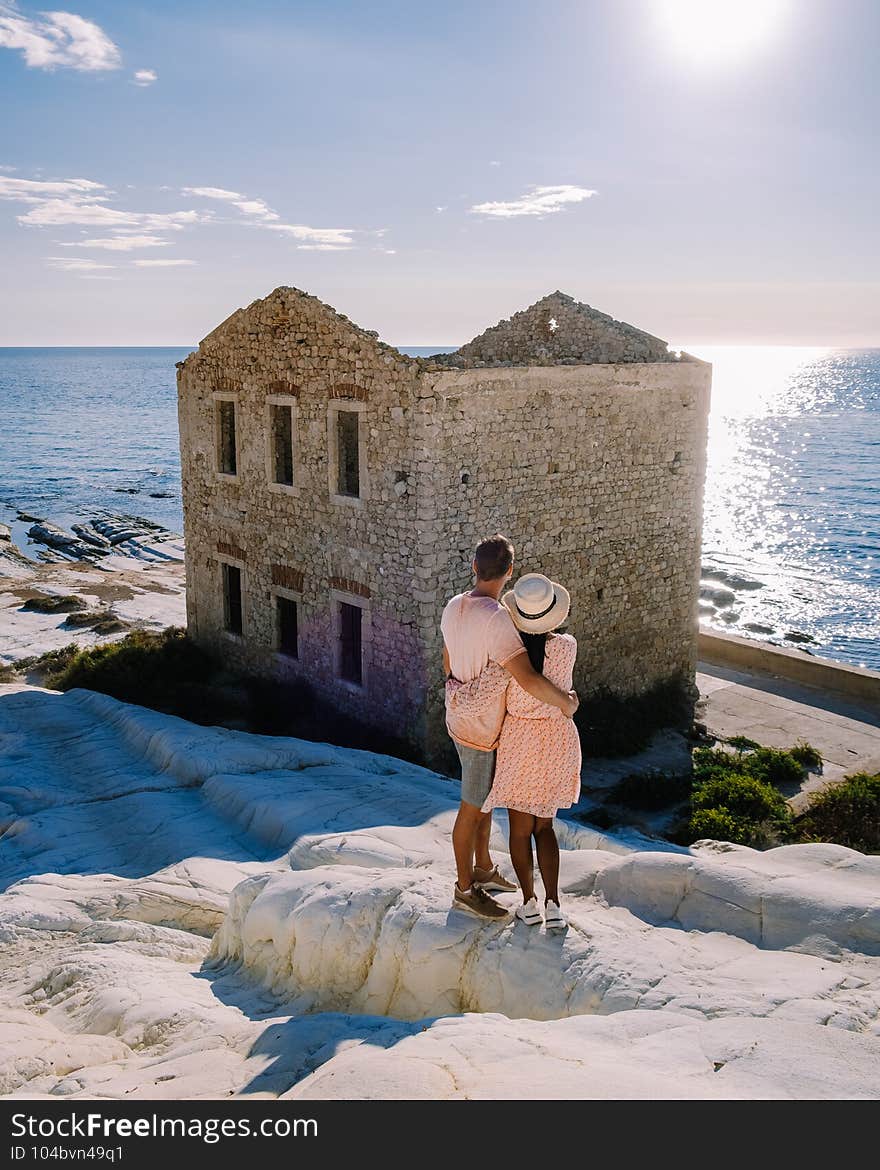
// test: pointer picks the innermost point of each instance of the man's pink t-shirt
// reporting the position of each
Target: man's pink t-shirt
(477, 631)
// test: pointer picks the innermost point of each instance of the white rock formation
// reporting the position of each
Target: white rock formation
(178, 897)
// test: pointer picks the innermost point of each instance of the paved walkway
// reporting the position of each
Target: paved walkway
(777, 713)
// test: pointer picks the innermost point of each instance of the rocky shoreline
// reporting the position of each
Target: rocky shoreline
(720, 598)
(104, 576)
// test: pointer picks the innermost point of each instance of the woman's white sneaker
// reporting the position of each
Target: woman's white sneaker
(529, 912)
(554, 919)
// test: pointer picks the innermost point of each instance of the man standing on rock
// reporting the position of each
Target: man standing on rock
(478, 630)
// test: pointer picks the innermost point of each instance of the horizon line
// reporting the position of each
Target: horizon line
(437, 346)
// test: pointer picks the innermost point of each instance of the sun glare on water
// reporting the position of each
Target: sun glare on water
(716, 31)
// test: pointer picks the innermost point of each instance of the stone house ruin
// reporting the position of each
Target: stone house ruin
(334, 490)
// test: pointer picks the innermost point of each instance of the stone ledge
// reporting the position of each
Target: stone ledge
(749, 654)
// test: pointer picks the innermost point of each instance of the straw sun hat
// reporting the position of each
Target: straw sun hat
(537, 604)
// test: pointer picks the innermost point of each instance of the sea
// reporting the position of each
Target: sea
(791, 529)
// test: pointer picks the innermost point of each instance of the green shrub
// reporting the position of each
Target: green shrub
(743, 796)
(742, 743)
(100, 621)
(768, 764)
(53, 604)
(51, 663)
(7, 674)
(165, 671)
(710, 762)
(650, 790)
(806, 755)
(772, 765)
(847, 813)
(720, 824)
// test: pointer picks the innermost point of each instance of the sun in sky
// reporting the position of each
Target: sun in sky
(717, 31)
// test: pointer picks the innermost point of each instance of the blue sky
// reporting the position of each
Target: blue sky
(708, 171)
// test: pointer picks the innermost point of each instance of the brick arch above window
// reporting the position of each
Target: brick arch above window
(350, 391)
(225, 385)
(281, 387)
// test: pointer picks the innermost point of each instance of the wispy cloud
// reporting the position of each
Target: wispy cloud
(257, 208)
(117, 243)
(144, 77)
(57, 40)
(212, 193)
(84, 203)
(309, 239)
(316, 239)
(76, 264)
(162, 263)
(71, 212)
(94, 208)
(36, 190)
(538, 201)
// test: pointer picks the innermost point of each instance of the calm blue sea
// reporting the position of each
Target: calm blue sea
(792, 514)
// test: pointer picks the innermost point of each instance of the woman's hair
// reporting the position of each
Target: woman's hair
(536, 645)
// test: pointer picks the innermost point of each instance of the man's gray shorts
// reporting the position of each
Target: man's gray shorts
(477, 773)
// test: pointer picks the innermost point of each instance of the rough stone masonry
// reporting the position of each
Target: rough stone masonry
(334, 490)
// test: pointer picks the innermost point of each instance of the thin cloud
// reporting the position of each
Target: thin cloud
(538, 201)
(83, 203)
(58, 40)
(93, 207)
(257, 208)
(324, 247)
(212, 193)
(72, 212)
(162, 263)
(36, 191)
(144, 77)
(310, 239)
(76, 264)
(316, 239)
(118, 243)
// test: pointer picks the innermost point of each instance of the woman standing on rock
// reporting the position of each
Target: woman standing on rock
(538, 769)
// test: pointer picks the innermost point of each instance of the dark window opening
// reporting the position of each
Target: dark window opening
(282, 444)
(288, 632)
(349, 472)
(232, 599)
(226, 460)
(350, 661)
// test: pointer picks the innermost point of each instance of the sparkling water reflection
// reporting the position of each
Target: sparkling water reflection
(792, 511)
(791, 495)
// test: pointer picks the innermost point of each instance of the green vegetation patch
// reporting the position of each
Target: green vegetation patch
(847, 813)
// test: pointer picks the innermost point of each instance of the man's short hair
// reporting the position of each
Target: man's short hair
(493, 557)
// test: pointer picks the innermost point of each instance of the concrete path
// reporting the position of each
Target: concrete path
(777, 713)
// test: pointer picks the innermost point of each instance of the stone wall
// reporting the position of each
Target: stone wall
(558, 330)
(298, 541)
(595, 471)
(596, 474)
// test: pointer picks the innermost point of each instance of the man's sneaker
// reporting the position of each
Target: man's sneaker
(554, 919)
(529, 912)
(493, 879)
(478, 902)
